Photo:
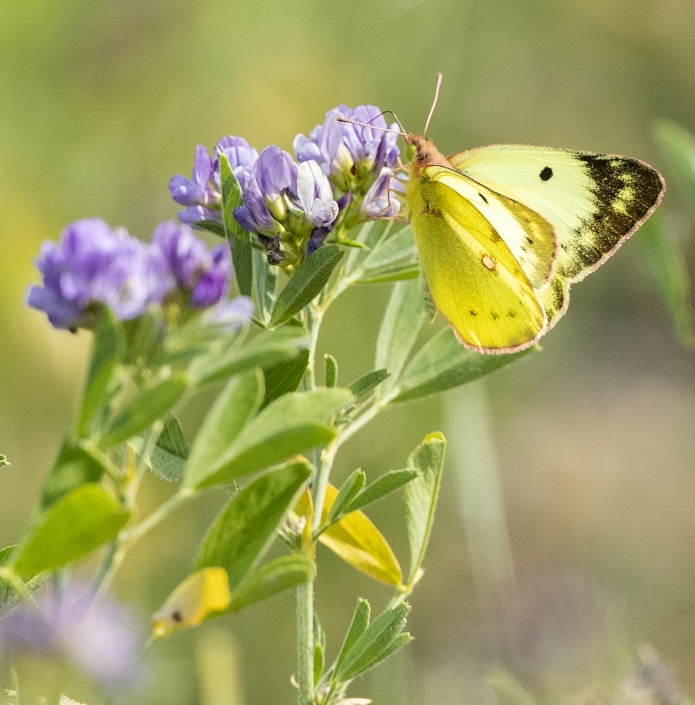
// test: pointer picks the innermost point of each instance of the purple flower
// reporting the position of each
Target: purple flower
(352, 155)
(205, 274)
(378, 202)
(199, 190)
(253, 215)
(202, 194)
(94, 266)
(314, 195)
(102, 640)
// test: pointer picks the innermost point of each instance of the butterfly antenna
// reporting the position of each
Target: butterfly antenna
(340, 118)
(434, 103)
(395, 117)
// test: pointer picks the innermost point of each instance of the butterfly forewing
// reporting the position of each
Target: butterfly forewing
(473, 277)
(530, 238)
(593, 201)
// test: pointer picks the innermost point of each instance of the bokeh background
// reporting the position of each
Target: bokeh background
(566, 530)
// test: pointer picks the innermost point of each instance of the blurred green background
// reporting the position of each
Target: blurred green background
(566, 530)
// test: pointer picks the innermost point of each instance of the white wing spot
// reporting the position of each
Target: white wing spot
(488, 262)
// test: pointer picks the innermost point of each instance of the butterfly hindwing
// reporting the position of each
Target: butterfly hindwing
(473, 277)
(594, 201)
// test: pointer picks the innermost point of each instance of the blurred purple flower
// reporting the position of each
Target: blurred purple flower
(213, 283)
(351, 155)
(204, 273)
(102, 640)
(231, 314)
(94, 265)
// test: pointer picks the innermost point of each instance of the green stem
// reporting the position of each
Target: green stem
(366, 417)
(323, 471)
(127, 537)
(305, 643)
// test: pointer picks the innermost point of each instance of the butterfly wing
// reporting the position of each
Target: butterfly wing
(529, 237)
(474, 278)
(593, 201)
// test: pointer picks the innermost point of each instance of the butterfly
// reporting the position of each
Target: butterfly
(503, 231)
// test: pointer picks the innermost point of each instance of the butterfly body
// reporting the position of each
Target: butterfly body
(503, 231)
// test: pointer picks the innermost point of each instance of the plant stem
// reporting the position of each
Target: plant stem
(305, 643)
(117, 550)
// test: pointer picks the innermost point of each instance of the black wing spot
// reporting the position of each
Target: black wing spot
(546, 173)
(483, 197)
(473, 312)
(494, 315)
(511, 313)
(177, 617)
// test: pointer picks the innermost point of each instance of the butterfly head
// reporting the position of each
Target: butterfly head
(423, 153)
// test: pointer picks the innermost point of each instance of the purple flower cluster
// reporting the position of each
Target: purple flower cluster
(282, 197)
(93, 266)
(358, 160)
(342, 171)
(102, 640)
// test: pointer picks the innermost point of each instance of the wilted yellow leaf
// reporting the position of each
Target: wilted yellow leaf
(357, 541)
(203, 592)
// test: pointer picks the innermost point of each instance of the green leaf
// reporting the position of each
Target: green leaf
(266, 349)
(306, 283)
(443, 363)
(369, 235)
(319, 649)
(242, 258)
(108, 348)
(331, 370)
(387, 483)
(211, 226)
(170, 454)
(667, 265)
(234, 407)
(245, 528)
(284, 377)
(509, 691)
(239, 239)
(403, 319)
(358, 625)
(144, 337)
(75, 525)
(677, 146)
(144, 410)
(276, 576)
(395, 258)
(421, 497)
(266, 278)
(292, 424)
(374, 644)
(74, 466)
(367, 382)
(351, 487)
(8, 595)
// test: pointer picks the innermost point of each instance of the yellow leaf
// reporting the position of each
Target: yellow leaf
(357, 541)
(203, 592)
